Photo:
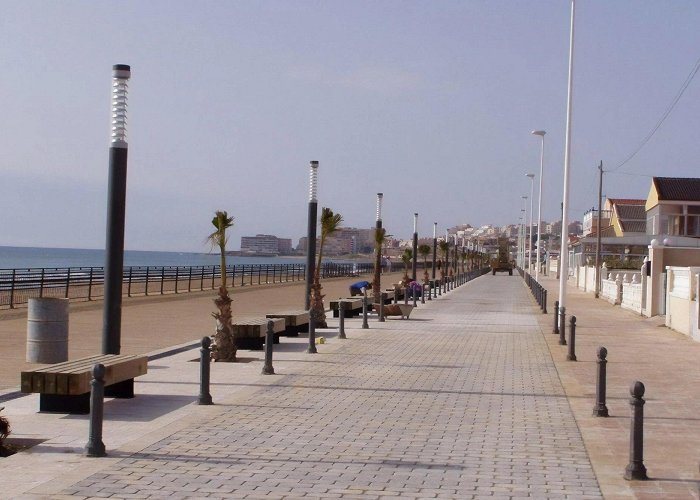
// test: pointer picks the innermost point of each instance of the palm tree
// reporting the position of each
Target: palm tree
(380, 238)
(444, 248)
(330, 223)
(406, 257)
(224, 346)
(424, 251)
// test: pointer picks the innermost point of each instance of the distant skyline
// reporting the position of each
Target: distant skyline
(431, 103)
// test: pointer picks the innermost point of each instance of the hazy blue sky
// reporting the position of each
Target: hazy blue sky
(431, 102)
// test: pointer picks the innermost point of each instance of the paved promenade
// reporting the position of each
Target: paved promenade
(470, 398)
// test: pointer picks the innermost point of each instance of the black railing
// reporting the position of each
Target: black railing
(17, 286)
(538, 291)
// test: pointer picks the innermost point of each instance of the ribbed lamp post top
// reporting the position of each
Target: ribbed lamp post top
(313, 182)
(120, 89)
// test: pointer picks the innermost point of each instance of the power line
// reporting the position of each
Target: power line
(687, 81)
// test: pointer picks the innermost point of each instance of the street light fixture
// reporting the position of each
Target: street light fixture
(434, 247)
(520, 239)
(524, 240)
(564, 247)
(376, 281)
(541, 133)
(311, 250)
(529, 239)
(116, 213)
(415, 246)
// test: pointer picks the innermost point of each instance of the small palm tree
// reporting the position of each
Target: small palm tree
(406, 257)
(330, 223)
(424, 251)
(380, 238)
(224, 346)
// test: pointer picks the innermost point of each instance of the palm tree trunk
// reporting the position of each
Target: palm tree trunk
(224, 346)
(317, 310)
(376, 282)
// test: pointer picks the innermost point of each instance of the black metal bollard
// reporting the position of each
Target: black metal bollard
(95, 447)
(405, 295)
(430, 290)
(382, 299)
(341, 320)
(311, 349)
(635, 469)
(555, 331)
(439, 288)
(413, 296)
(269, 342)
(544, 301)
(571, 355)
(365, 325)
(204, 372)
(600, 409)
(562, 326)
(396, 296)
(422, 294)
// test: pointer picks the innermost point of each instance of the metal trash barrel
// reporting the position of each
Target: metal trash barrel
(47, 330)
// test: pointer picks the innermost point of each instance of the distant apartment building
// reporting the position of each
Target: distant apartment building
(266, 244)
(346, 240)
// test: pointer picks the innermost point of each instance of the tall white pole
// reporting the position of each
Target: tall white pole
(564, 252)
(541, 133)
(524, 239)
(529, 239)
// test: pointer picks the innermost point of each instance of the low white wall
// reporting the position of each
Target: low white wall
(611, 290)
(632, 295)
(681, 299)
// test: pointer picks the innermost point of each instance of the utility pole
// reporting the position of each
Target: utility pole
(597, 243)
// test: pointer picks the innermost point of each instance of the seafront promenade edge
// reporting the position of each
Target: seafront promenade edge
(476, 341)
(155, 322)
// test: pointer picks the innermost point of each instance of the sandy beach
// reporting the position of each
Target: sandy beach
(157, 322)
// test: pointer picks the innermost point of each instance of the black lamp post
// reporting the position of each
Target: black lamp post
(116, 213)
(434, 248)
(415, 245)
(311, 232)
(376, 282)
(447, 256)
(311, 250)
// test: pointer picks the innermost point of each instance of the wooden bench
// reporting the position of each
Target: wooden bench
(403, 310)
(352, 306)
(249, 333)
(65, 387)
(390, 293)
(295, 322)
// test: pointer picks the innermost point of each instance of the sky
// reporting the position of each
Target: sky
(431, 103)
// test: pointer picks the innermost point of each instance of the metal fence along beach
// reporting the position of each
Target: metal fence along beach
(17, 286)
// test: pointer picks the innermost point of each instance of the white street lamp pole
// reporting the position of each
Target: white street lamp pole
(539, 204)
(564, 252)
(529, 239)
(524, 240)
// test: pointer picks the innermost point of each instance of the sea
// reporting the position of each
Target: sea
(32, 257)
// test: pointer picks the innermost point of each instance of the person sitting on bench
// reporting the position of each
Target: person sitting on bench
(359, 288)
